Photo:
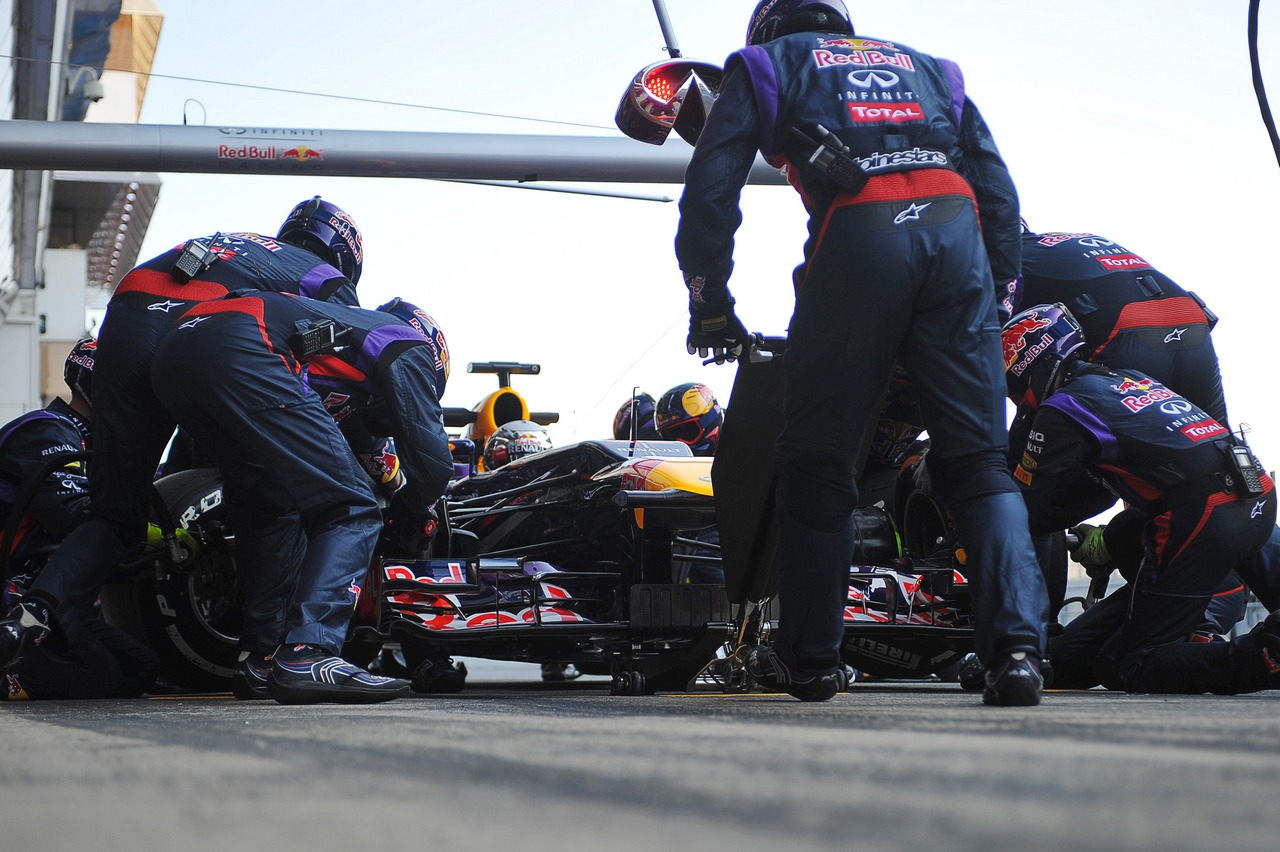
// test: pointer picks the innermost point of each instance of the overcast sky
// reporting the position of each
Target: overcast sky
(1136, 120)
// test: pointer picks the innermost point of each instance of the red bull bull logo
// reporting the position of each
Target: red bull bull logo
(1014, 337)
(1128, 385)
(859, 44)
(302, 153)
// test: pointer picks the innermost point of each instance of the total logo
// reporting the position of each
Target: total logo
(1203, 431)
(865, 113)
(1114, 262)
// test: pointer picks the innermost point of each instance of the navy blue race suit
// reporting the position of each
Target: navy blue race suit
(1104, 435)
(897, 273)
(234, 375)
(38, 457)
(131, 427)
(1133, 315)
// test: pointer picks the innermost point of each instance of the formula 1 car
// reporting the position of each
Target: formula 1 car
(567, 556)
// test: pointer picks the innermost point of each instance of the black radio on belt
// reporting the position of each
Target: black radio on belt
(196, 257)
(832, 159)
(1248, 474)
(319, 339)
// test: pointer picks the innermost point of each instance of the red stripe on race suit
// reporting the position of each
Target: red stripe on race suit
(249, 306)
(1218, 498)
(156, 283)
(912, 185)
(1158, 313)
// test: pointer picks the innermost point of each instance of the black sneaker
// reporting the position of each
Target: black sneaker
(305, 674)
(972, 674)
(439, 676)
(766, 669)
(27, 625)
(560, 672)
(249, 682)
(1014, 681)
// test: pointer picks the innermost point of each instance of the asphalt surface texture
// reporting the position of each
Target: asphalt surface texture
(512, 762)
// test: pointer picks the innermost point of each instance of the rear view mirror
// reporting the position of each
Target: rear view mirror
(675, 94)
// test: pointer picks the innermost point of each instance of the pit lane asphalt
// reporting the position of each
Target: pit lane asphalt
(514, 763)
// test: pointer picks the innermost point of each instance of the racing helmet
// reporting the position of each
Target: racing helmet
(514, 440)
(324, 229)
(774, 18)
(77, 372)
(642, 406)
(689, 413)
(1036, 343)
(422, 322)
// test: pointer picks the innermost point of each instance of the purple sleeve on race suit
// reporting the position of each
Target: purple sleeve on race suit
(379, 339)
(1072, 408)
(764, 82)
(955, 79)
(314, 280)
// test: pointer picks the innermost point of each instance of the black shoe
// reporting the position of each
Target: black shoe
(249, 682)
(766, 669)
(560, 672)
(26, 626)
(1014, 681)
(439, 676)
(972, 674)
(305, 674)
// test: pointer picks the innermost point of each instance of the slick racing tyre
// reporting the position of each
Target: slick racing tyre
(191, 615)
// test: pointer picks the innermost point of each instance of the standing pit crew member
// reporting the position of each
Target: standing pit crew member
(1199, 501)
(317, 252)
(277, 375)
(893, 163)
(41, 467)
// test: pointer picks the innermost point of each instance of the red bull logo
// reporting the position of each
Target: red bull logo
(302, 153)
(862, 58)
(1156, 394)
(1014, 336)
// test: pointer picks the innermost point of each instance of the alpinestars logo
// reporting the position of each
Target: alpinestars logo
(192, 323)
(912, 213)
(165, 306)
(1257, 509)
(1174, 335)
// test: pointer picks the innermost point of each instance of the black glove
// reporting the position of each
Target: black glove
(407, 533)
(714, 329)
